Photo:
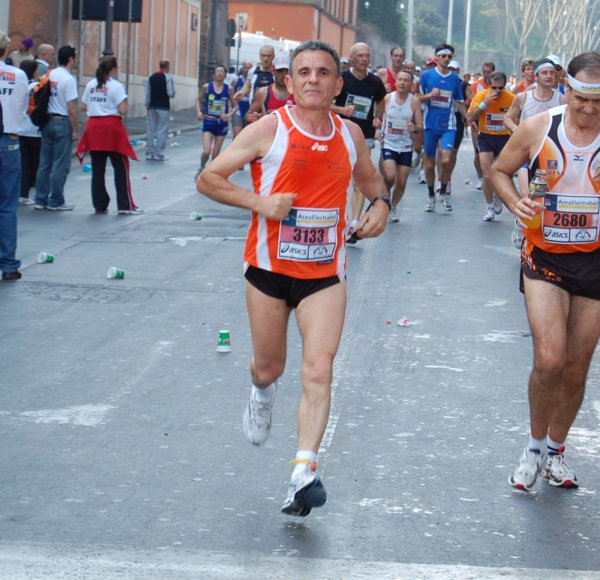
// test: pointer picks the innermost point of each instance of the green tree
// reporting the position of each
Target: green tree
(386, 16)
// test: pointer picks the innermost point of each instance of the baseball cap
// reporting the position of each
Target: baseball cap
(4, 40)
(432, 60)
(281, 61)
(27, 42)
(418, 68)
(555, 59)
(454, 64)
(344, 60)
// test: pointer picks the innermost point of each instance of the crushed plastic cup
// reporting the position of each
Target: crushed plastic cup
(175, 144)
(115, 273)
(224, 344)
(178, 132)
(195, 216)
(87, 168)
(405, 322)
(43, 257)
(170, 135)
(144, 176)
(438, 292)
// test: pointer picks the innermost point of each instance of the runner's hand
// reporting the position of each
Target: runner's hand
(436, 92)
(238, 96)
(348, 111)
(277, 205)
(200, 116)
(525, 209)
(373, 222)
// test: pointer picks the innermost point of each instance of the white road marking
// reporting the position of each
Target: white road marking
(65, 563)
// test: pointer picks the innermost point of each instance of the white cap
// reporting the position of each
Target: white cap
(281, 61)
(555, 59)
(418, 68)
(454, 64)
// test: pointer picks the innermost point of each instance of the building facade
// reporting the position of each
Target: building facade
(333, 21)
(175, 30)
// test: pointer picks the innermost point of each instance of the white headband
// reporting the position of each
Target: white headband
(584, 88)
(544, 65)
(444, 51)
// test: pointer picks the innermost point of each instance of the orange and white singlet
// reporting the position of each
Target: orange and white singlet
(570, 221)
(309, 242)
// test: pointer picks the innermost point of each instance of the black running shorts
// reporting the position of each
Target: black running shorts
(282, 287)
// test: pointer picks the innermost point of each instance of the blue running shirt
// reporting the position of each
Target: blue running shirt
(439, 111)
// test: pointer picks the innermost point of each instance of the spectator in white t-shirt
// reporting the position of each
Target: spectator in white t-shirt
(58, 135)
(105, 101)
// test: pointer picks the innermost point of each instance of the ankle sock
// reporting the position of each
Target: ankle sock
(308, 456)
(553, 446)
(537, 445)
(265, 395)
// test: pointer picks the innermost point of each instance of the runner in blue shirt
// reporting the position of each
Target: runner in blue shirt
(441, 90)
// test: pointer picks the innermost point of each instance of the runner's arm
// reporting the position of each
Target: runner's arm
(371, 185)
(417, 116)
(200, 100)
(462, 108)
(255, 112)
(252, 143)
(244, 91)
(513, 117)
(520, 149)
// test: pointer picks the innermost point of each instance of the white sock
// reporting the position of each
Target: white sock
(311, 456)
(490, 206)
(537, 444)
(265, 395)
(553, 446)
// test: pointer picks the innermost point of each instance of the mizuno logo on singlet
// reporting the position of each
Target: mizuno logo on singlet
(577, 157)
(318, 147)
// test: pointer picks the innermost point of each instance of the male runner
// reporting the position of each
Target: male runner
(454, 66)
(527, 104)
(238, 121)
(528, 72)
(215, 106)
(302, 160)
(259, 76)
(402, 119)
(360, 101)
(276, 95)
(440, 90)
(560, 272)
(388, 75)
(489, 108)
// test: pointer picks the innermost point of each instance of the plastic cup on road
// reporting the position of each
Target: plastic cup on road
(45, 258)
(195, 216)
(224, 344)
(115, 273)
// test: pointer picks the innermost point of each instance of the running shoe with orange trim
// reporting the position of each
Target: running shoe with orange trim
(306, 491)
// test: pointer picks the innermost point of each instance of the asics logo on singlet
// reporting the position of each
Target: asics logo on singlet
(318, 147)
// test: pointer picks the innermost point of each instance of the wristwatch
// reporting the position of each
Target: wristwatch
(383, 198)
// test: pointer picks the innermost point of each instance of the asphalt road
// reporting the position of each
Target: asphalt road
(122, 451)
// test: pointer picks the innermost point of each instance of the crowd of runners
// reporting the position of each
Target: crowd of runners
(327, 114)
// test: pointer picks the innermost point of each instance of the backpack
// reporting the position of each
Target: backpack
(38, 102)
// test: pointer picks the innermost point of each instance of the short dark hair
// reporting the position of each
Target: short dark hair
(489, 64)
(164, 64)
(527, 62)
(29, 67)
(397, 48)
(315, 45)
(588, 62)
(220, 66)
(542, 61)
(497, 76)
(65, 53)
(444, 46)
(412, 76)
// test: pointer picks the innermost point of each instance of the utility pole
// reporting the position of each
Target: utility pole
(409, 30)
(467, 37)
(110, 8)
(212, 46)
(450, 14)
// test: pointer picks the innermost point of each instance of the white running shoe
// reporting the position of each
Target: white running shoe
(517, 235)
(525, 474)
(305, 492)
(449, 188)
(498, 206)
(489, 216)
(558, 473)
(257, 420)
(26, 201)
(422, 176)
(430, 204)
(446, 202)
(416, 158)
(479, 183)
(393, 216)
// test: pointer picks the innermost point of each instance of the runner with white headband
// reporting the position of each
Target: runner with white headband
(440, 90)
(560, 271)
(527, 104)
